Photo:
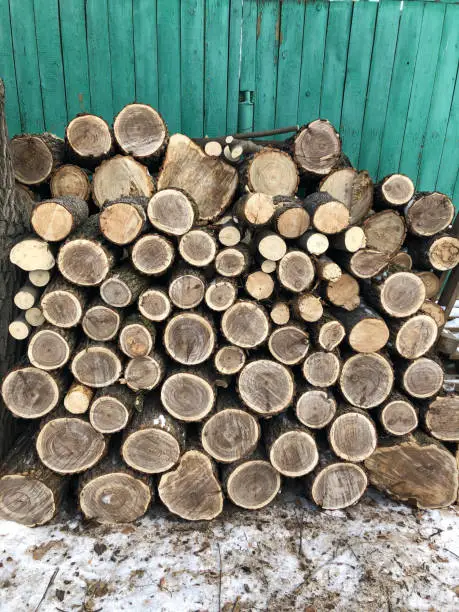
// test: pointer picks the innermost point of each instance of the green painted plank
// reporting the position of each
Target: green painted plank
(100, 69)
(382, 61)
(192, 62)
(400, 87)
(440, 105)
(249, 45)
(120, 27)
(8, 72)
(456, 194)
(234, 50)
(357, 73)
(145, 52)
(268, 22)
(338, 27)
(216, 67)
(315, 29)
(26, 62)
(75, 56)
(50, 65)
(289, 63)
(421, 91)
(168, 29)
(448, 164)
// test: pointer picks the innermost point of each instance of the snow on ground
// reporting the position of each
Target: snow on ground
(375, 556)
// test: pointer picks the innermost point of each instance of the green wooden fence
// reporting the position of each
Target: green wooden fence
(385, 73)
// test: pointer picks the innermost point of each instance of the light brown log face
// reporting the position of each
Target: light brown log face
(315, 408)
(289, 344)
(96, 366)
(331, 217)
(26, 500)
(399, 418)
(272, 172)
(89, 136)
(369, 335)
(171, 212)
(121, 223)
(187, 290)
(265, 386)
(402, 294)
(435, 311)
(39, 278)
(352, 188)
(259, 285)
(422, 473)
(101, 323)
(69, 446)
(444, 253)
(32, 160)
(255, 209)
(78, 398)
(331, 335)
(151, 450)
(220, 294)
(51, 221)
(115, 498)
(48, 349)
(317, 148)
(144, 372)
(83, 262)
(152, 254)
(338, 486)
(431, 282)
(423, 378)
(69, 180)
(229, 360)
(118, 177)
(187, 396)
(32, 254)
(154, 304)
(229, 236)
(296, 271)
(280, 313)
(321, 369)
(294, 454)
(366, 380)
(135, 340)
(353, 436)
(230, 435)
(429, 214)
(30, 393)
(293, 222)
(385, 231)
(108, 415)
(192, 490)
(442, 418)
(397, 189)
(253, 484)
(309, 307)
(416, 336)
(245, 324)
(140, 131)
(198, 248)
(189, 338)
(367, 263)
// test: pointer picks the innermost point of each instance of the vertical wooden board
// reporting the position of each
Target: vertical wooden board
(75, 56)
(455, 195)
(248, 45)
(268, 22)
(26, 62)
(168, 31)
(421, 91)
(448, 162)
(400, 87)
(145, 52)
(192, 63)
(216, 67)
(315, 29)
(357, 72)
(440, 105)
(289, 63)
(382, 60)
(50, 65)
(100, 74)
(338, 27)
(120, 27)
(234, 64)
(8, 72)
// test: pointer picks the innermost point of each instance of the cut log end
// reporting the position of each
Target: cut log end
(49, 349)
(140, 131)
(339, 486)
(368, 335)
(266, 387)
(32, 159)
(317, 148)
(154, 305)
(187, 396)
(220, 294)
(366, 379)
(353, 436)
(331, 217)
(429, 213)
(272, 247)
(89, 137)
(198, 248)
(229, 360)
(422, 378)
(70, 180)
(136, 339)
(62, 308)
(253, 484)
(32, 254)
(315, 408)
(398, 417)
(245, 324)
(321, 369)
(96, 366)
(402, 294)
(229, 236)
(431, 282)
(152, 254)
(280, 313)
(121, 223)
(78, 398)
(294, 454)
(259, 285)
(108, 414)
(171, 211)
(53, 220)
(189, 338)
(151, 450)
(231, 262)
(384, 231)
(309, 307)
(118, 177)
(444, 253)
(101, 322)
(187, 290)
(289, 344)
(272, 172)
(230, 435)
(26, 500)
(144, 373)
(83, 262)
(296, 271)
(29, 392)
(397, 190)
(441, 418)
(39, 278)
(416, 336)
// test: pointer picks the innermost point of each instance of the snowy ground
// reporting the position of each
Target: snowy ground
(375, 556)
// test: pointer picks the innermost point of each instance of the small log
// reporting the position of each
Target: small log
(267, 266)
(315, 407)
(101, 322)
(39, 278)
(384, 231)
(289, 344)
(152, 254)
(245, 324)
(266, 387)
(402, 259)
(70, 180)
(118, 177)
(313, 242)
(440, 252)
(51, 347)
(192, 490)
(19, 328)
(398, 295)
(251, 483)
(189, 338)
(272, 172)
(141, 131)
(416, 469)
(321, 369)
(366, 379)
(53, 220)
(34, 317)
(435, 311)
(291, 219)
(397, 415)
(188, 395)
(32, 254)
(421, 378)
(122, 220)
(254, 210)
(365, 263)
(229, 360)
(62, 303)
(393, 191)
(280, 313)
(328, 332)
(137, 336)
(198, 247)
(295, 271)
(30, 393)
(411, 338)
(352, 435)
(220, 294)
(327, 269)
(232, 261)
(308, 307)
(259, 285)
(187, 288)
(351, 240)
(317, 148)
(271, 246)
(337, 484)
(111, 409)
(344, 292)
(144, 373)
(213, 148)
(353, 188)
(96, 365)
(26, 297)
(291, 447)
(122, 286)
(366, 331)
(328, 215)
(229, 235)
(89, 139)
(30, 494)
(69, 444)
(78, 398)
(111, 493)
(441, 417)
(35, 157)
(154, 304)
(431, 282)
(429, 213)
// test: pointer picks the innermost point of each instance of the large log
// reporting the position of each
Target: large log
(272, 172)
(53, 220)
(30, 393)
(385, 231)
(62, 303)
(429, 213)
(317, 148)
(266, 387)
(245, 324)
(35, 157)
(88, 139)
(189, 338)
(96, 364)
(118, 177)
(328, 214)
(291, 447)
(289, 344)
(140, 131)
(70, 180)
(122, 220)
(188, 395)
(51, 347)
(315, 407)
(251, 483)
(353, 188)
(366, 379)
(321, 369)
(352, 435)
(411, 338)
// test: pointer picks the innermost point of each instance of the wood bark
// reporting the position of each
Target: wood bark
(328, 215)
(352, 188)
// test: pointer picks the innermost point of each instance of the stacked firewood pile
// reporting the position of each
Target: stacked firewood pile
(205, 318)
